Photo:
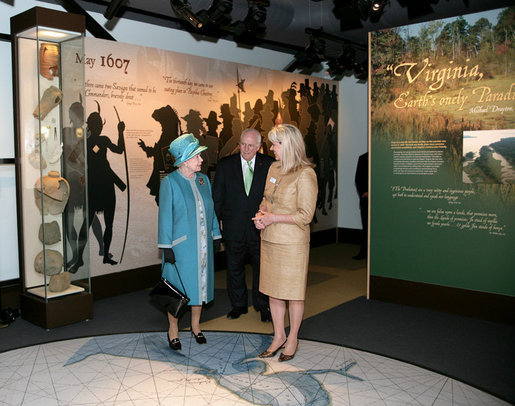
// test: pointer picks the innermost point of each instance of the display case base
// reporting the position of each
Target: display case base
(57, 312)
(40, 291)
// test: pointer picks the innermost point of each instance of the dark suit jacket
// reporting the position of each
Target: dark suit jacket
(361, 178)
(232, 205)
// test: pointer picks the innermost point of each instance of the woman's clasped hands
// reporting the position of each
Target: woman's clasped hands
(263, 219)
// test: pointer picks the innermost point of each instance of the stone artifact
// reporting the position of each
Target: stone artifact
(53, 262)
(55, 190)
(60, 282)
(52, 233)
(50, 99)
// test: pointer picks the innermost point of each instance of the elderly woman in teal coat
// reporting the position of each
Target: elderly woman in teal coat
(187, 228)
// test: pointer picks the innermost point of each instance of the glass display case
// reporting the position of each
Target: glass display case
(51, 173)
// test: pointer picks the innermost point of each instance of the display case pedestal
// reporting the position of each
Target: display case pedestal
(57, 312)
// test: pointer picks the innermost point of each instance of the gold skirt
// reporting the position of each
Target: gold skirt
(284, 270)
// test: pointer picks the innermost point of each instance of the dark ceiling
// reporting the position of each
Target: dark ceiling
(340, 23)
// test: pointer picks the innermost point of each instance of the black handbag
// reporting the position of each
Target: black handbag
(168, 298)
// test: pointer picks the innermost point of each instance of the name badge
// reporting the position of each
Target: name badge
(273, 180)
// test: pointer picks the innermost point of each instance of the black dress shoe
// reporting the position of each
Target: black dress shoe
(237, 312)
(265, 315)
(174, 344)
(199, 338)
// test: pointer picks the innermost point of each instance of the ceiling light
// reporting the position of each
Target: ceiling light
(254, 22)
(219, 12)
(376, 5)
(182, 9)
(313, 54)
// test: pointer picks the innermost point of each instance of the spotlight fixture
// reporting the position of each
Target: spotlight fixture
(377, 5)
(112, 8)
(182, 9)
(372, 9)
(254, 22)
(360, 71)
(218, 13)
(343, 64)
(313, 54)
(352, 12)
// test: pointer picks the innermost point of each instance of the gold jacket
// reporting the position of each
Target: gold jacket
(294, 194)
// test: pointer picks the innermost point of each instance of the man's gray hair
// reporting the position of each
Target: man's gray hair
(251, 131)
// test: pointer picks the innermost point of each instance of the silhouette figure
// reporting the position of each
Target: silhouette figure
(257, 118)
(195, 126)
(74, 172)
(226, 116)
(102, 179)
(163, 165)
(291, 96)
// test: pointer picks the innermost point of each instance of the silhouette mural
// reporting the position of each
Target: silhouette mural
(102, 181)
(74, 172)
(212, 99)
(163, 160)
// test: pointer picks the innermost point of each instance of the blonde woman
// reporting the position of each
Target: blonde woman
(284, 217)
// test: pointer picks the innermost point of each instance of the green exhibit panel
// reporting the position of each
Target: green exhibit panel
(442, 145)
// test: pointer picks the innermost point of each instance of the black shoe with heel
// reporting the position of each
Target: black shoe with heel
(199, 338)
(175, 344)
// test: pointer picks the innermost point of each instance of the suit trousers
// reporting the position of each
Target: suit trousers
(363, 209)
(238, 253)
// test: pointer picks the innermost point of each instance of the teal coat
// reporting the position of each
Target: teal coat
(179, 228)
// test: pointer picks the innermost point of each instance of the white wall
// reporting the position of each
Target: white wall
(352, 114)
(352, 142)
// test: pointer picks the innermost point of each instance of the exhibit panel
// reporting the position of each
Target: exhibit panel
(442, 146)
(50, 162)
(146, 97)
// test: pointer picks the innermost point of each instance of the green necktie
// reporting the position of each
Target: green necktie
(249, 172)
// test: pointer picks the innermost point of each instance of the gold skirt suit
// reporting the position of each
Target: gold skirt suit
(285, 247)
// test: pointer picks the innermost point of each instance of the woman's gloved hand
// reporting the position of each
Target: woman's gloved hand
(169, 255)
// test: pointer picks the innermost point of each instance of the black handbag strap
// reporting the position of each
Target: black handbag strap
(178, 274)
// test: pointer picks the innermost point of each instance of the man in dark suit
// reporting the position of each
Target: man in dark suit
(361, 180)
(237, 192)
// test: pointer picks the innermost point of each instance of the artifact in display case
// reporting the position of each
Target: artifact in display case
(48, 55)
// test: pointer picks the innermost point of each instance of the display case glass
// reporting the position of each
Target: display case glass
(48, 64)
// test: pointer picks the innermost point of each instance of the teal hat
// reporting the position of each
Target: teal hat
(185, 147)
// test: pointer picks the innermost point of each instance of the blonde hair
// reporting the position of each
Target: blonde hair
(293, 155)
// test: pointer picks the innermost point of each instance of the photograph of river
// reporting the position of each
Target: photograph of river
(489, 156)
